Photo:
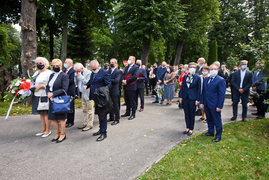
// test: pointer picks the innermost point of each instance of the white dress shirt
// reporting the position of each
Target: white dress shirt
(53, 80)
(242, 74)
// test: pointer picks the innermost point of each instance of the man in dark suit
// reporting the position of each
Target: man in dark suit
(99, 78)
(161, 70)
(115, 77)
(200, 64)
(213, 96)
(146, 82)
(140, 85)
(241, 82)
(190, 94)
(260, 85)
(68, 64)
(129, 79)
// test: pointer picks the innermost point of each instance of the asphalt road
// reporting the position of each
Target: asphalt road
(129, 150)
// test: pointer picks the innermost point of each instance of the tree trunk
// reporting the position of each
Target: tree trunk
(51, 45)
(28, 34)
(178, 53)
(65, 30)
(145, 51)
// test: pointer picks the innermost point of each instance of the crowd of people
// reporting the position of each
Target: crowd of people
(201, 90)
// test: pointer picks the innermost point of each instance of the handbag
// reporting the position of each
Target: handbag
(61, 104)
(43, 104)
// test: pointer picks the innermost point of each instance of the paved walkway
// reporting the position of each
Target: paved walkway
(131, 146)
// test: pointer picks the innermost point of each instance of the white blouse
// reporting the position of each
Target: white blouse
(42, 79)
(53, 80)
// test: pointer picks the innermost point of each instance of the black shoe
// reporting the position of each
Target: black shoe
(53, 140)
(97, 133)
(255, 113)
(198, 112)
(207, 134)
(260, 117)
(161, 102)
(102, 137)
(185, 132)
(131, 117)
(61, 140)
(216, 139)
(115, 123)
(155, 102)
(189, 133)
(125, 115)
(244, 119)
(69, 125)
(233, 118)
(110, 120)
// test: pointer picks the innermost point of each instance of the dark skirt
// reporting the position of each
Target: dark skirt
(53, 116)
(35, 102)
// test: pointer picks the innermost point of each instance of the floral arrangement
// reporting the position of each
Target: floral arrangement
(159, 90)
(152, 76)
(20, 89)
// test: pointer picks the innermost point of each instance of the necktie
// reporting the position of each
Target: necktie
(210, 80)
(94, 75)
(65, 71)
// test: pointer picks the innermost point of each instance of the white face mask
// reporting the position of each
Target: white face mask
(129, 61)
(213, 73)
(205, 73)
(192, 70)
(168, 70)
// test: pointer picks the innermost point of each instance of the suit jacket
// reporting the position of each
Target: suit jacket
(213, 94)
(72, 88)
(131, 82)
(60, 85)
(160, 73)
(97, 80)
(194, 91)
(141, 78)
(259, 81)
(236, 79)
(115, 78)
(84, 79)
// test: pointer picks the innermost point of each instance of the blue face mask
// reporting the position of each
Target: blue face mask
(243, 67)
(65, 66)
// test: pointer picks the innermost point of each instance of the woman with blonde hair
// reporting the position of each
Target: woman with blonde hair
(41, 78)
(57, 86)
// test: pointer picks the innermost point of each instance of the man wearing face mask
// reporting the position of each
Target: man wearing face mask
(99, 78)
(200, 64)
(68, 65)
(213, 97)
(190, 97)
(241, 82)
(115, 77)
(129, 79)
(140, 85)
(223, 72)
(159, 77)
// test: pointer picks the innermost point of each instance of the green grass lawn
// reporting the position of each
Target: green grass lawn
(243, 153)
(20, 108)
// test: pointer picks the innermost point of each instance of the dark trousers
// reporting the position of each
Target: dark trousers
(153, 84)
(103, 125)
(130, 102)
(244, 99)
(71, 116)
(146, 86)
(140, 93)
(189, 111)
(213, 119)
(115, 112)
(260, 104)
(119, 98)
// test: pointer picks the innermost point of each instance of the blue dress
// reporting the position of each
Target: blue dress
(169, 90)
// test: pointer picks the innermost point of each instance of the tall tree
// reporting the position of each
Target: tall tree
(65, 29)
(146, 19)
(201, 15)
(28, 34)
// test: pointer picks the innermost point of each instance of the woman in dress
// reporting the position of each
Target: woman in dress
(169, 85)
(205, 73)
(41, 78)
(57, 86)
